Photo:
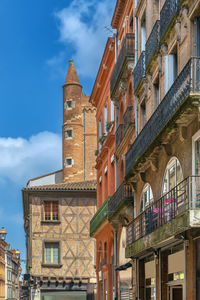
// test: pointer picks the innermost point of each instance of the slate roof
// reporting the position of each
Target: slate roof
(69, 186)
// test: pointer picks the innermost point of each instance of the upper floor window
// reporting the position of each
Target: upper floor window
(69, 104)
(143, 114)
(143, 33)
(105, 119)
(170, 70)
(173, 175)
(112, 111)
(156, 92)
(50, 210)
(51, 253)
(68, 134)
(197, 36)
(146, 198)
(131, 23)
(100, 134)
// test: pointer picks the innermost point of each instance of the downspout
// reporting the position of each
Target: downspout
(136, 118)
(115, 265)
(185, 270)
(84, 147)
(160, 273)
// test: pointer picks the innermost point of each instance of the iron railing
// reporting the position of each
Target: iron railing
(139, 71)
(99, 217)
(167, 14)
(119, 134)
(153, 43)
(128, 118)
(126, 52)
(121, 196)
(184, 196)
(187, 82)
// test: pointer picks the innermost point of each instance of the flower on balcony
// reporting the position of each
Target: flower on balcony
(109, 125)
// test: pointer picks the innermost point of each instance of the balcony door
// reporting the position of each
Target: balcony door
(195, 181)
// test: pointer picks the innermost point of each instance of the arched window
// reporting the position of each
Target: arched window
(173, 175)
(146, 198)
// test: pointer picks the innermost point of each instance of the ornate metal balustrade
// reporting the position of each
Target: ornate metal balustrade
(99, 217)
(128, 118)
(184, 196)
(139, 71)
(126, 53)
(167, 15)
(121, 196)
(153, 43)
(119, 134)
(187, 82)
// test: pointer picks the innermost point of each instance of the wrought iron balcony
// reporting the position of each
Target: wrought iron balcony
(99, 217)
(128, 118)
(126, 54)
(179, 200)
(139, 71)
(186, 83)
(121, 197)
(153, 43)
(168, 12)
(119, 134)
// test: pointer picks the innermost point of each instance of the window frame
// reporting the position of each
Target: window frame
(172, 162)
(47, 264)
(147, 188)
(51, 211)
(65, 134)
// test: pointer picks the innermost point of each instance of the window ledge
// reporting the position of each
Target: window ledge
(51, 265)
(50, 222)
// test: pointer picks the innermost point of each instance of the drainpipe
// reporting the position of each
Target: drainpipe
(115, 158)
(115, 36)
(84, 147)
(185, 269)
(115, 265)
(160, 275)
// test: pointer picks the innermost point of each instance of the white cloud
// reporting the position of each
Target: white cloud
(21, 159)
(82, 27)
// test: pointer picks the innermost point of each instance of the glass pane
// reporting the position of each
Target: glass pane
(197, 157)
(55, 254)
(47, 254)
(172, 178)
(47, 210)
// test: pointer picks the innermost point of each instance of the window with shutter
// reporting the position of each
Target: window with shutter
(51, 211)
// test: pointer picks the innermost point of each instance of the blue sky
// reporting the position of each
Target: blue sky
(37, 38)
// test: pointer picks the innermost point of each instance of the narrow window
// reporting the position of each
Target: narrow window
(50, 210)
(100, 134)
(51, 253)
(156, 93)
(170, 65)
(112, 115)
(143, 113)
(69, 162)
(68, 134)
(69, 104)
(143, 33)
(105, 119)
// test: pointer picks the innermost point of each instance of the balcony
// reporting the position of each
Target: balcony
(187, 83)
(173, 213)
(119, 134)
(153, 43)
(99, 217)
(167, 15)
(139, 71)
(122, 197)
(125, 56)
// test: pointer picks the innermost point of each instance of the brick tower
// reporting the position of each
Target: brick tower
(79, 131)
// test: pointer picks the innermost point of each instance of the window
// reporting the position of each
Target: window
(68, 134)
(143, 114)
(100, 134)
(197, 37)
(131, 22)
(51, 253)
(105, 119)
(51, 211)
(9, 292)
(156, 93)
(146, 198)
(69, 162)
(143, 33)
(173, 175)
(112, 115)
(9, 275)
(69, 104)
(170, 65)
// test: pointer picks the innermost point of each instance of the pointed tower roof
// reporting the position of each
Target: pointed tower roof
(72, 77)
